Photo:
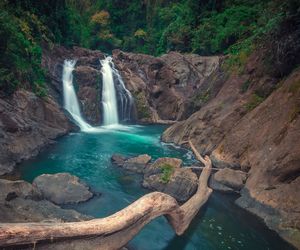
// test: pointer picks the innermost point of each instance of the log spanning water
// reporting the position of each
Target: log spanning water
(114, 231)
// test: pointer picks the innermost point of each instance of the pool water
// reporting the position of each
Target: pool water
(219, 225)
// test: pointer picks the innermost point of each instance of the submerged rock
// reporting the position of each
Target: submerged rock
(118, 159)
(135, 164)
(62, 188)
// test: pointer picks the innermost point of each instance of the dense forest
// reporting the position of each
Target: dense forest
(207, 27)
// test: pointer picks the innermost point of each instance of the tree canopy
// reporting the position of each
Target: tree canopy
(153, 27)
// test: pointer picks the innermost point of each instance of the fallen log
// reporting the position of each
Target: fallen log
(116, 230)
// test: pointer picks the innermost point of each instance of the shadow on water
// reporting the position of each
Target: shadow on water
(180, 242)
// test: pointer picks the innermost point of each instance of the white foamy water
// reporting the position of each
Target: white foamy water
(70, 98)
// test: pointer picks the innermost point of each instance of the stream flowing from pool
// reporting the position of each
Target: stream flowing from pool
(220, 225)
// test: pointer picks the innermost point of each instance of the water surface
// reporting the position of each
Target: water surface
(219, 225)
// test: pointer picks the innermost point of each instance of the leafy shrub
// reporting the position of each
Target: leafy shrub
(255, 100)
(20, 55)
(141, 105)
(101, 18)
(167, 171)
(219, 31)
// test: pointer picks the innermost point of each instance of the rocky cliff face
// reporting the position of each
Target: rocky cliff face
(87, 78)
(27, 123)
(162, 86)
(247, 121)
(253, 123)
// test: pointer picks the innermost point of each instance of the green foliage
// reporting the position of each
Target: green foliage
(141, 105)
(255, 100)
(232, 27)
(20, 54)
(220, 30)
(167, 171)
(200, 99)
(245, 86)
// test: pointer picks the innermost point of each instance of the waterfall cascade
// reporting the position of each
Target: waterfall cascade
(70, 98)
(109, 97)
(115, 96)
(114, 90)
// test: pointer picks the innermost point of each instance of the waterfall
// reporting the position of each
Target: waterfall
(113, 87)
(125, 97)
(70, 98)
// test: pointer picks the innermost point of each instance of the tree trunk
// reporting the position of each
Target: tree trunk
(116, 230)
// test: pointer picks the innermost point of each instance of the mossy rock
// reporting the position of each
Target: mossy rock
(254, 102)
(143, 110)
(167, 171)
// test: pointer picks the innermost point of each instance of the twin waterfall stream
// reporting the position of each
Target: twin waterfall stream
(113, 87)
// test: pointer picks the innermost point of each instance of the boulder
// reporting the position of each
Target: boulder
(20, 201)
(178, 182)
(218, 163)
(62, 188)
(229, 178)
(13, 189)
(137, 164)
(156, 166)
(28, 210)
(217, 186)
(118, 159)
(6, 169)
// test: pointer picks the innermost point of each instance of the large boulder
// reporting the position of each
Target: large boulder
(164, 161)
(180, 183)
(20, 201)
(118, 160)
(28, 210)
(137, 164)
(166, 175)
(13, 189)
(62, 188)
(228, 180)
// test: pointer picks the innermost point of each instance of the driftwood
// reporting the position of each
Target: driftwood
(114, 231)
